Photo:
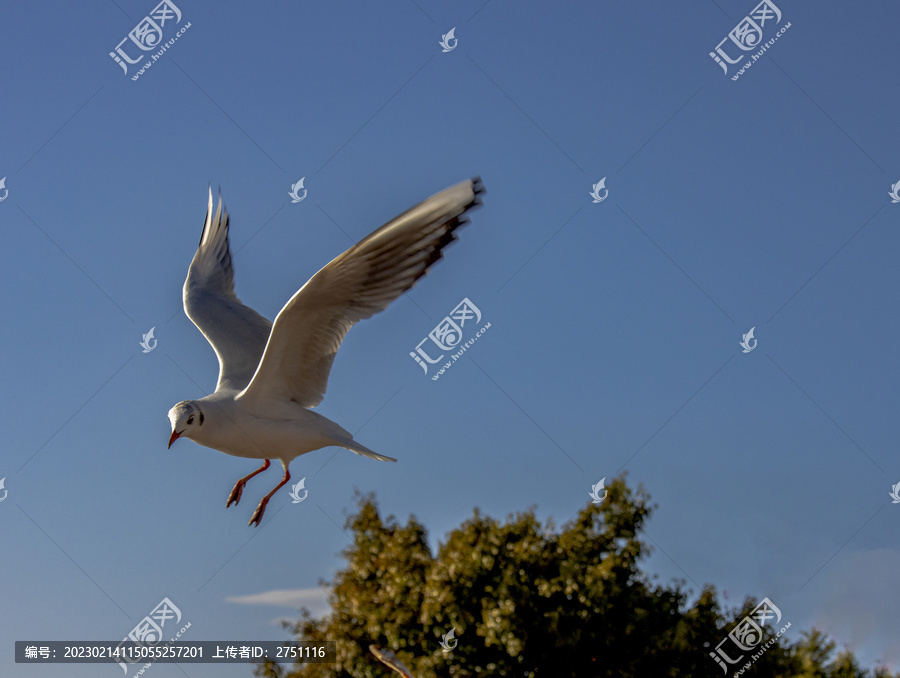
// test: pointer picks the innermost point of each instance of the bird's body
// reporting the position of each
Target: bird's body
(284, 432)
(271, 374)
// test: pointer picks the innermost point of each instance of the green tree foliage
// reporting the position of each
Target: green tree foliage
(528, 601)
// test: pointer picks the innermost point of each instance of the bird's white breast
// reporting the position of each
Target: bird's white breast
(290, 431)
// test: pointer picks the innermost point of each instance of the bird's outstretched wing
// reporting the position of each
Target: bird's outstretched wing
(359, 283)
(237, 333)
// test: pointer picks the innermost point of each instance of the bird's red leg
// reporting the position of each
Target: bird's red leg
(235, 495)
(258, 513)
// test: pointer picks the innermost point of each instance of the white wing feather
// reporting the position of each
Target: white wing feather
(357, 284)
(237, 333)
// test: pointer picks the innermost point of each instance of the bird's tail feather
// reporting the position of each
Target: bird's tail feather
(355, 447)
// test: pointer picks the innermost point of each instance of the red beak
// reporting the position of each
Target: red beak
(175, 436)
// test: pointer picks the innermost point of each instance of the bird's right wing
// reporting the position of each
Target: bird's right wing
(357, 284)
(237, 333)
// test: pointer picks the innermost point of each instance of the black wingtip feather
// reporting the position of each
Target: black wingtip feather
(453, 224)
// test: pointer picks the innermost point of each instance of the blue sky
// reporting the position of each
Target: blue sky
(760, 202)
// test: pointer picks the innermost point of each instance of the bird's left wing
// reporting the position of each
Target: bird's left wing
(357, 284)
(237, 333)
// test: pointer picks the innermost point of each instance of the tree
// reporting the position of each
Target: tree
(528, 601)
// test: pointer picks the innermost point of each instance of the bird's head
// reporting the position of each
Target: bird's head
(185, 418)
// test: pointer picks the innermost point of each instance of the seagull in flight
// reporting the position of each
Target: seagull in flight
(270, 375)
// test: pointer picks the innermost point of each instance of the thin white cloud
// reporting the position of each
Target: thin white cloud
(313, 599)
(857, 603)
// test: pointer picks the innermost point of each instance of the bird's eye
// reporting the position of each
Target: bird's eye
(190, 419)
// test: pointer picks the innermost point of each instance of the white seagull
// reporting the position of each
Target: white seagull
(270, 375)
